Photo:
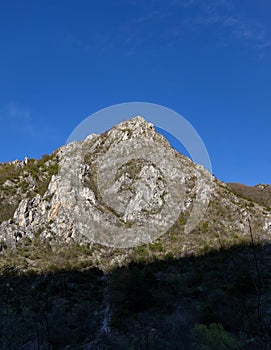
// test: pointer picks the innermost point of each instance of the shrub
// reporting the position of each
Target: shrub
(156, 247)
(142, 251)
(213, 337)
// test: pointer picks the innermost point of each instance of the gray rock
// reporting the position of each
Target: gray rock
(128, 187)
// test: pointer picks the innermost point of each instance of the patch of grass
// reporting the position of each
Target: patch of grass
(142, 251)
(156, 247)
(204, 226)
(7, 211)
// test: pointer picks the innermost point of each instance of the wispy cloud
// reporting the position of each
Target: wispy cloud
(148, 16)
(154, 22)
(17, 116)
(74, 40)
(223, 13)
(250, 31)
(18, 119)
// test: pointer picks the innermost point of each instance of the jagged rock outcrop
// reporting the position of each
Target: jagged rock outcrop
(128, 187)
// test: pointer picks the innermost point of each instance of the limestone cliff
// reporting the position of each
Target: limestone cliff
(129, 187)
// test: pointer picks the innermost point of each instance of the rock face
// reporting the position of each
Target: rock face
(128, 187)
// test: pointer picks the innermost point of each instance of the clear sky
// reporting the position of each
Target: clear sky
(210, 61)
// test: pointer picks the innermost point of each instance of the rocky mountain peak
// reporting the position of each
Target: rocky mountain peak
(135, 124)
(124, 188)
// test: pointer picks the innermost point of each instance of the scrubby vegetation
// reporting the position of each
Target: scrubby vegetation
(206, 290)
(219, 300)
(19, 180)
(260, 194)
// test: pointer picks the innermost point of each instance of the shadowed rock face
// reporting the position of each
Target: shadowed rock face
(128, 187)
(260, 194)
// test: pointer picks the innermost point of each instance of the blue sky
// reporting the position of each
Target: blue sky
(210, 61)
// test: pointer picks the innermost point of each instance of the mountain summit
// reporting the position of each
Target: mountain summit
(120, 242)
(122, 189)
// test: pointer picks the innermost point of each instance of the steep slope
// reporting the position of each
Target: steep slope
(260, 194)
(117, 191)
(120, 242)
(25, 179)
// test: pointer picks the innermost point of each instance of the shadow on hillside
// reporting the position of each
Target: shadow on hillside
(216, 301)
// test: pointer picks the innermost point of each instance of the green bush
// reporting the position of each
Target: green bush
(156, 247)
(7, 211)
(212, 337)
(205, 226)
(142, 251)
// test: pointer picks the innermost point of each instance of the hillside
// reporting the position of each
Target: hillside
(120, 242)
(260, 194)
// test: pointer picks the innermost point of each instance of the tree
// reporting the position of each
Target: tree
(212, 337)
